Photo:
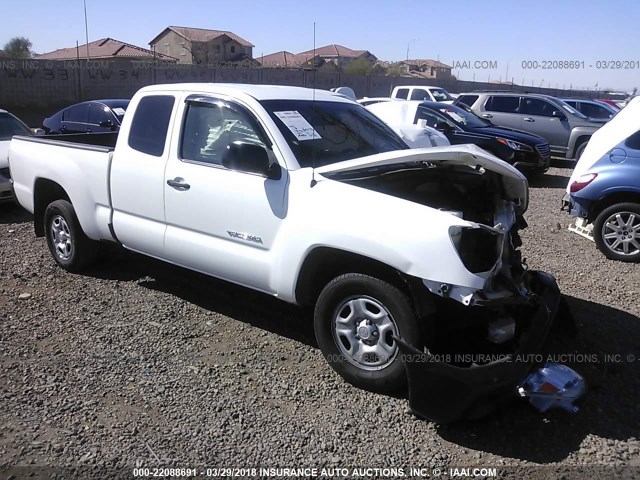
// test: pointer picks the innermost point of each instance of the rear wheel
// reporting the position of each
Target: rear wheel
(68, 244)
(616, 232)
(355, 319)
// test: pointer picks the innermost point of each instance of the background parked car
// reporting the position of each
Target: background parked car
(592, 108)
(566, 129)
(9, 126)
(604, 189)
(422, 92)
(94, 116)
(610, 102)
(523, 150)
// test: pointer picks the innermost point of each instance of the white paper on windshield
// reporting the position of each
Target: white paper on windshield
(119, 111)
(297, 124)
(454, 115)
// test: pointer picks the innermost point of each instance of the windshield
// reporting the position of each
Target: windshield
(464, 118)
(322, 133)
(441, 95)
(10, 126)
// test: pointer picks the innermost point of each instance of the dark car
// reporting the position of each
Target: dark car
(525, 151)
(95, 116)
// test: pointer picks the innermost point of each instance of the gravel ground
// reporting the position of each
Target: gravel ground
(137, 363)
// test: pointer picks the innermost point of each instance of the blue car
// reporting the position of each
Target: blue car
(607, 196)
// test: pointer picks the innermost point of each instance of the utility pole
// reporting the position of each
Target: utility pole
(86, 27)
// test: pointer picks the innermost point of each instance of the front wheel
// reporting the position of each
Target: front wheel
(580, 149)
(68, 244)
(616, 232)
(355, 319)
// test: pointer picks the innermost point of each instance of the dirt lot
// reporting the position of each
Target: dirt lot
(137, 363)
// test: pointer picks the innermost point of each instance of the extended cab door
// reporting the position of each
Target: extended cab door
(222, 221)
(137, 175)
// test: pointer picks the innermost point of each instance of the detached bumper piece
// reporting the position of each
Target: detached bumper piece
(554, 385)
(446, 393)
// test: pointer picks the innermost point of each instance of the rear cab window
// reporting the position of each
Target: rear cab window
(402, 93)
(150, 124)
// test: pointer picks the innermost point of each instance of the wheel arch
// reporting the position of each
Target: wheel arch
(323, 264)
(612, 199)
(45, 191)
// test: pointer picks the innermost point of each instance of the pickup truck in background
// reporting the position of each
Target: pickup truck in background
(422, 92)
(310, 198)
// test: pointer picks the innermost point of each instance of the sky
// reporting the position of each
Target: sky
(488, 40)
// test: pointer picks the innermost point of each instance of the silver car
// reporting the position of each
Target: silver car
(566, 129)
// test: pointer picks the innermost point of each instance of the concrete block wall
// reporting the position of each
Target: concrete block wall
(35, 89)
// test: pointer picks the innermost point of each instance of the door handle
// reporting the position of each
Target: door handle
(88, 130)
(528, 119)
(179, 184)
(487, 115)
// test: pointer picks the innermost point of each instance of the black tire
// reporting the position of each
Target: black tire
(387, 378)
(74, 251)
(580, 149)
(606, 246)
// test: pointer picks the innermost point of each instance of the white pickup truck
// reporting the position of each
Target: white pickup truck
(310, 198)
(422, 92)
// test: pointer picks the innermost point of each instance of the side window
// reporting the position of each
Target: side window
(594, 111)
(99, 113)
(402, 93)
(419, 94)
(429, 117)
(210, 128)
(468, 100)
(535, 106)
(150, 124)
(503, 103)
(79, 113)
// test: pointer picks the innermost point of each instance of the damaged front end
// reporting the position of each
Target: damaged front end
(486, 317)
(447, 387)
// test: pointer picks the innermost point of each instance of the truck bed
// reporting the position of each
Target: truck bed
(78, 140)
(77, 164)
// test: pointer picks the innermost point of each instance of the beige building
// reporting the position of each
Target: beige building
(340, 56)
(427, 68)
(105, 48)
(202, 47)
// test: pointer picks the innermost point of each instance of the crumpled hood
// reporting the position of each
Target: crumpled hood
(515, 183)
(623, 125)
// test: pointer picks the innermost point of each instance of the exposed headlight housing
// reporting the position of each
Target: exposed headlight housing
(478, 248)
(515, 145)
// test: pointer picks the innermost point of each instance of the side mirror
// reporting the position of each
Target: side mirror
(558, 114)
(251, 158)
(443, 127)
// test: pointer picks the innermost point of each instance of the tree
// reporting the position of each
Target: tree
(18, 47)
(360, 66)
